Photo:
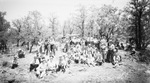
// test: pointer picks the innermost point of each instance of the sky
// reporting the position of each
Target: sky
(60, 8)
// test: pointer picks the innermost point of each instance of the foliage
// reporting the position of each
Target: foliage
(4, 25)
(106, 21)
(110, 23)
(140, 22)
(29, 27)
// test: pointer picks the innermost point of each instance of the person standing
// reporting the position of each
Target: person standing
(104, 48)
(46, 49)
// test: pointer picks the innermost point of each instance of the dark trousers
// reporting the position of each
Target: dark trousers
(33, 67)
(21, 55)
(14, 66)
(104, 55)
(60, 67)
(110, 56)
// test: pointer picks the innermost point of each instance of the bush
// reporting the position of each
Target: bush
(144, 56)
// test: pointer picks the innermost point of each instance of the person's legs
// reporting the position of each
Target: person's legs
(110, 56)
(14, 66)
(38, 73)
(113, 59)
(43, 73)
(103, 56)
(46, 51)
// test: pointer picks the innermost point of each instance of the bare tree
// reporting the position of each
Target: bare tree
(68, 27)
(91, 27)
(64, 29)
(81, 20)
(53, 25)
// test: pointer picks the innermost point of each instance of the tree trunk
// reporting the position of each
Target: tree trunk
(31, 48)
(83, 33)
(140, 31)
(136, 33)
(139, 34)
(18, 40)
(64, 32)
(82, 28)
(32, 43)
(28, 46)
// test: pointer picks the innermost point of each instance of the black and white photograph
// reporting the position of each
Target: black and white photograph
(74, 41)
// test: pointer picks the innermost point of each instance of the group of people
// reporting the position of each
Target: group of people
(57, 57)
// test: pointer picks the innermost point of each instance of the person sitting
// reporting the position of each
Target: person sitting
(15, 63)
(122, 46)
(83, 58)
(90, 60)
(41, 69)
(62, 64)
(133, 52)
(21, 54)
(76, 58)
(98, 58)
(36, 62)
(116, 59)
(51, 64)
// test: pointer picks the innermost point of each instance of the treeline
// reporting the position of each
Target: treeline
(133, 22)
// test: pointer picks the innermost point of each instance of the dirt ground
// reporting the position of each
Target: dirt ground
(128, 71)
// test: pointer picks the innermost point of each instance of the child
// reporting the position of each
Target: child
(15, 63)
(116, 60)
